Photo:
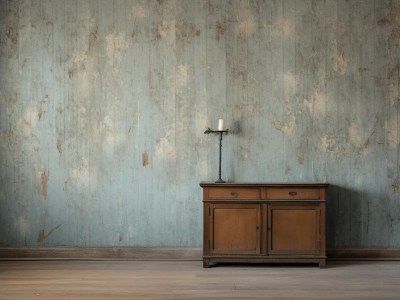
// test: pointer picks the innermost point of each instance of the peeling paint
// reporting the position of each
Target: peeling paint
(80, 174)
(290, 81)
(116, 43)
(138, 11)
(332, 144)
(182, 76)
(317, 103)
(165, 149)
(340, 63)
(247, 26)
(282, 28)
(288, 126)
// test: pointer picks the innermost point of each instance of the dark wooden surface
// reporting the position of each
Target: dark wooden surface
(288, 222)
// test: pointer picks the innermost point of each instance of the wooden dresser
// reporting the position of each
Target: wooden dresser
(264, 222)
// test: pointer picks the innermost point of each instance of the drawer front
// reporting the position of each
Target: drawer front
(234, 193)
(292, 193)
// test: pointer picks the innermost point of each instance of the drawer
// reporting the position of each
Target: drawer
(234, 193)
(292, 193)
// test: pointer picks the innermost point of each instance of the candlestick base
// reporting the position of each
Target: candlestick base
(220, 181)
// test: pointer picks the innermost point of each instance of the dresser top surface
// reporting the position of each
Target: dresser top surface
(265, 184)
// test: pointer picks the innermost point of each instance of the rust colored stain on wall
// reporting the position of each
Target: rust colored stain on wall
(145, 159)
(44, 178)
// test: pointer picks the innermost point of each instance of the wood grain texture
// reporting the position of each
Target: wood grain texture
(309, 89)
(187, 280)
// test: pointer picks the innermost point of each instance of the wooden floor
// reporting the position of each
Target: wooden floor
(188, 280)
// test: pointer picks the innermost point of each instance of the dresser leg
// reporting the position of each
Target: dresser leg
(322, 263)
(206, 263)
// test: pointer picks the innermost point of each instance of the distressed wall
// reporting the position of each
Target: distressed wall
(103, 105)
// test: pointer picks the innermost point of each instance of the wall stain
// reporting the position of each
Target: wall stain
(220, 29)
(186, 31)
(12, 35)
(59, 146)
(40, 114)
(393, 71)
(145, 159)
(42, 236)
(396, 185)
(44, 179)
(392, 20)
(163, 28)
(247, 26)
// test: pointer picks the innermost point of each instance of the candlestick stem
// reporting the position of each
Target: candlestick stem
(220, 155)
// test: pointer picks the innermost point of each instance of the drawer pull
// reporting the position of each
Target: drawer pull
(234, 194)
(293, 193)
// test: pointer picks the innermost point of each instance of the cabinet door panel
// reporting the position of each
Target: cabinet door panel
(235, 229)
(293, 229)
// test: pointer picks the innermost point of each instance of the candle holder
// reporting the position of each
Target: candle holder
(220, 133)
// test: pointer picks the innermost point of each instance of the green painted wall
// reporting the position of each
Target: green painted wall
(103, 105)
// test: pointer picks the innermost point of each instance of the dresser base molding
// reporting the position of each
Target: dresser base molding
(209, 260)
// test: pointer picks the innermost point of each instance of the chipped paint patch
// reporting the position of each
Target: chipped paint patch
(282, 28)
(138, 12)
(80, 174)
(317, 103)
(116, 43)
(340, 63)
(182, 76)
(354, 134)
(247, 26)
(288, 126)
(145, 159)
(28, 120)
(44, 176)
(290, 82)
(331, 144)
(165, 148)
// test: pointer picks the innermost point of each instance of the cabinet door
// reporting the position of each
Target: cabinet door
(234, 229)
(293, 229)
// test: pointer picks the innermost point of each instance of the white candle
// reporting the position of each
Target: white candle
(220, 125)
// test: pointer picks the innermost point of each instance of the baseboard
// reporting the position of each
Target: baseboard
(364, 254)
(100, 253)
(127, 253)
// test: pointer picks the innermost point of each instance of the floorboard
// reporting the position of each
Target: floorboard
(188, 280)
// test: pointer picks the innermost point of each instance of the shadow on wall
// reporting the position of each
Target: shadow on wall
(346, 221)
